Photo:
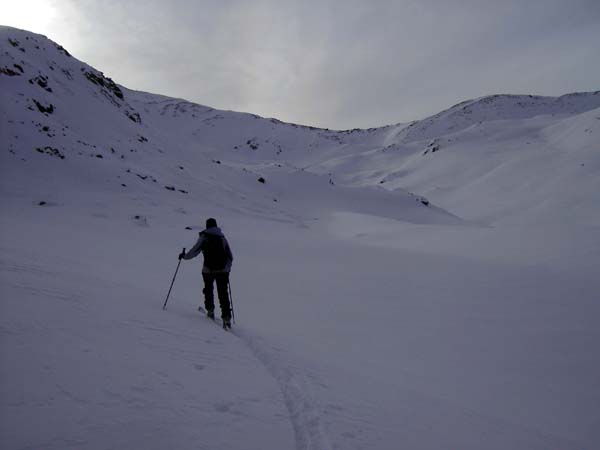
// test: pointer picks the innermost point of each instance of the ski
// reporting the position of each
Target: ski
(226, 324)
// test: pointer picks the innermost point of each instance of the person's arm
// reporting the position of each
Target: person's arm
(229, 255)
(196, 249)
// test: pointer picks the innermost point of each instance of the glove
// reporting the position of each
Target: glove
(181, 255)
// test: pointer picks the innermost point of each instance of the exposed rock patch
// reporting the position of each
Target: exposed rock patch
(42, 82)
(50, 151)
(105, 82)
(9, 72)
(43, 108)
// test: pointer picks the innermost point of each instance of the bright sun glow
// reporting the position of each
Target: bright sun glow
(31, 15)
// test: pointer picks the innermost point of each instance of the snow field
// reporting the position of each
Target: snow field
(368, 317)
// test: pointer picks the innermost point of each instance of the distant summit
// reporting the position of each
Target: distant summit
(498, 107)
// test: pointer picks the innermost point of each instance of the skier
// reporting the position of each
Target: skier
(217, 265)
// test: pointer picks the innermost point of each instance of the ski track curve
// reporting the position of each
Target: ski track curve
(305, 415)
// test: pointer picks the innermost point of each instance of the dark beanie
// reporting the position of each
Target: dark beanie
(211, 223)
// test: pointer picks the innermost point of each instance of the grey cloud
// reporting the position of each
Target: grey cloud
(338, 64)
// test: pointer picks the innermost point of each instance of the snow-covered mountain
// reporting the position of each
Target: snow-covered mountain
(422, 285)
(79, 113)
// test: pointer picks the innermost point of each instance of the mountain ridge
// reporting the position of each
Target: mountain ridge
(465, 105)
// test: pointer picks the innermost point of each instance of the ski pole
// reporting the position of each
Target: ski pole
(231, 301)
(173, 281)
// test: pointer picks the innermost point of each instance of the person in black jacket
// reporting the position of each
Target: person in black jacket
(217, 265)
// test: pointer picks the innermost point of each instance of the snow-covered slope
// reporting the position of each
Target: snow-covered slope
(508, 146)
(368, 317)
(517, 159)
(121, 140)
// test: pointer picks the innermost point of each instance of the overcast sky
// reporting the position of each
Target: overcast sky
(330, 63)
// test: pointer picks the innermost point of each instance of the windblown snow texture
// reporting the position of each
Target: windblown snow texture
(424, 285)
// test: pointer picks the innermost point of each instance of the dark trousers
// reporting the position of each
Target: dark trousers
(222, 280)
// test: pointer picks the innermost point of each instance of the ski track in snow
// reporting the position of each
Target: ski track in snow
(304, 412)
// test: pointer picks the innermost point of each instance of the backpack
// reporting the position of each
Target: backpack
(213, 249)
